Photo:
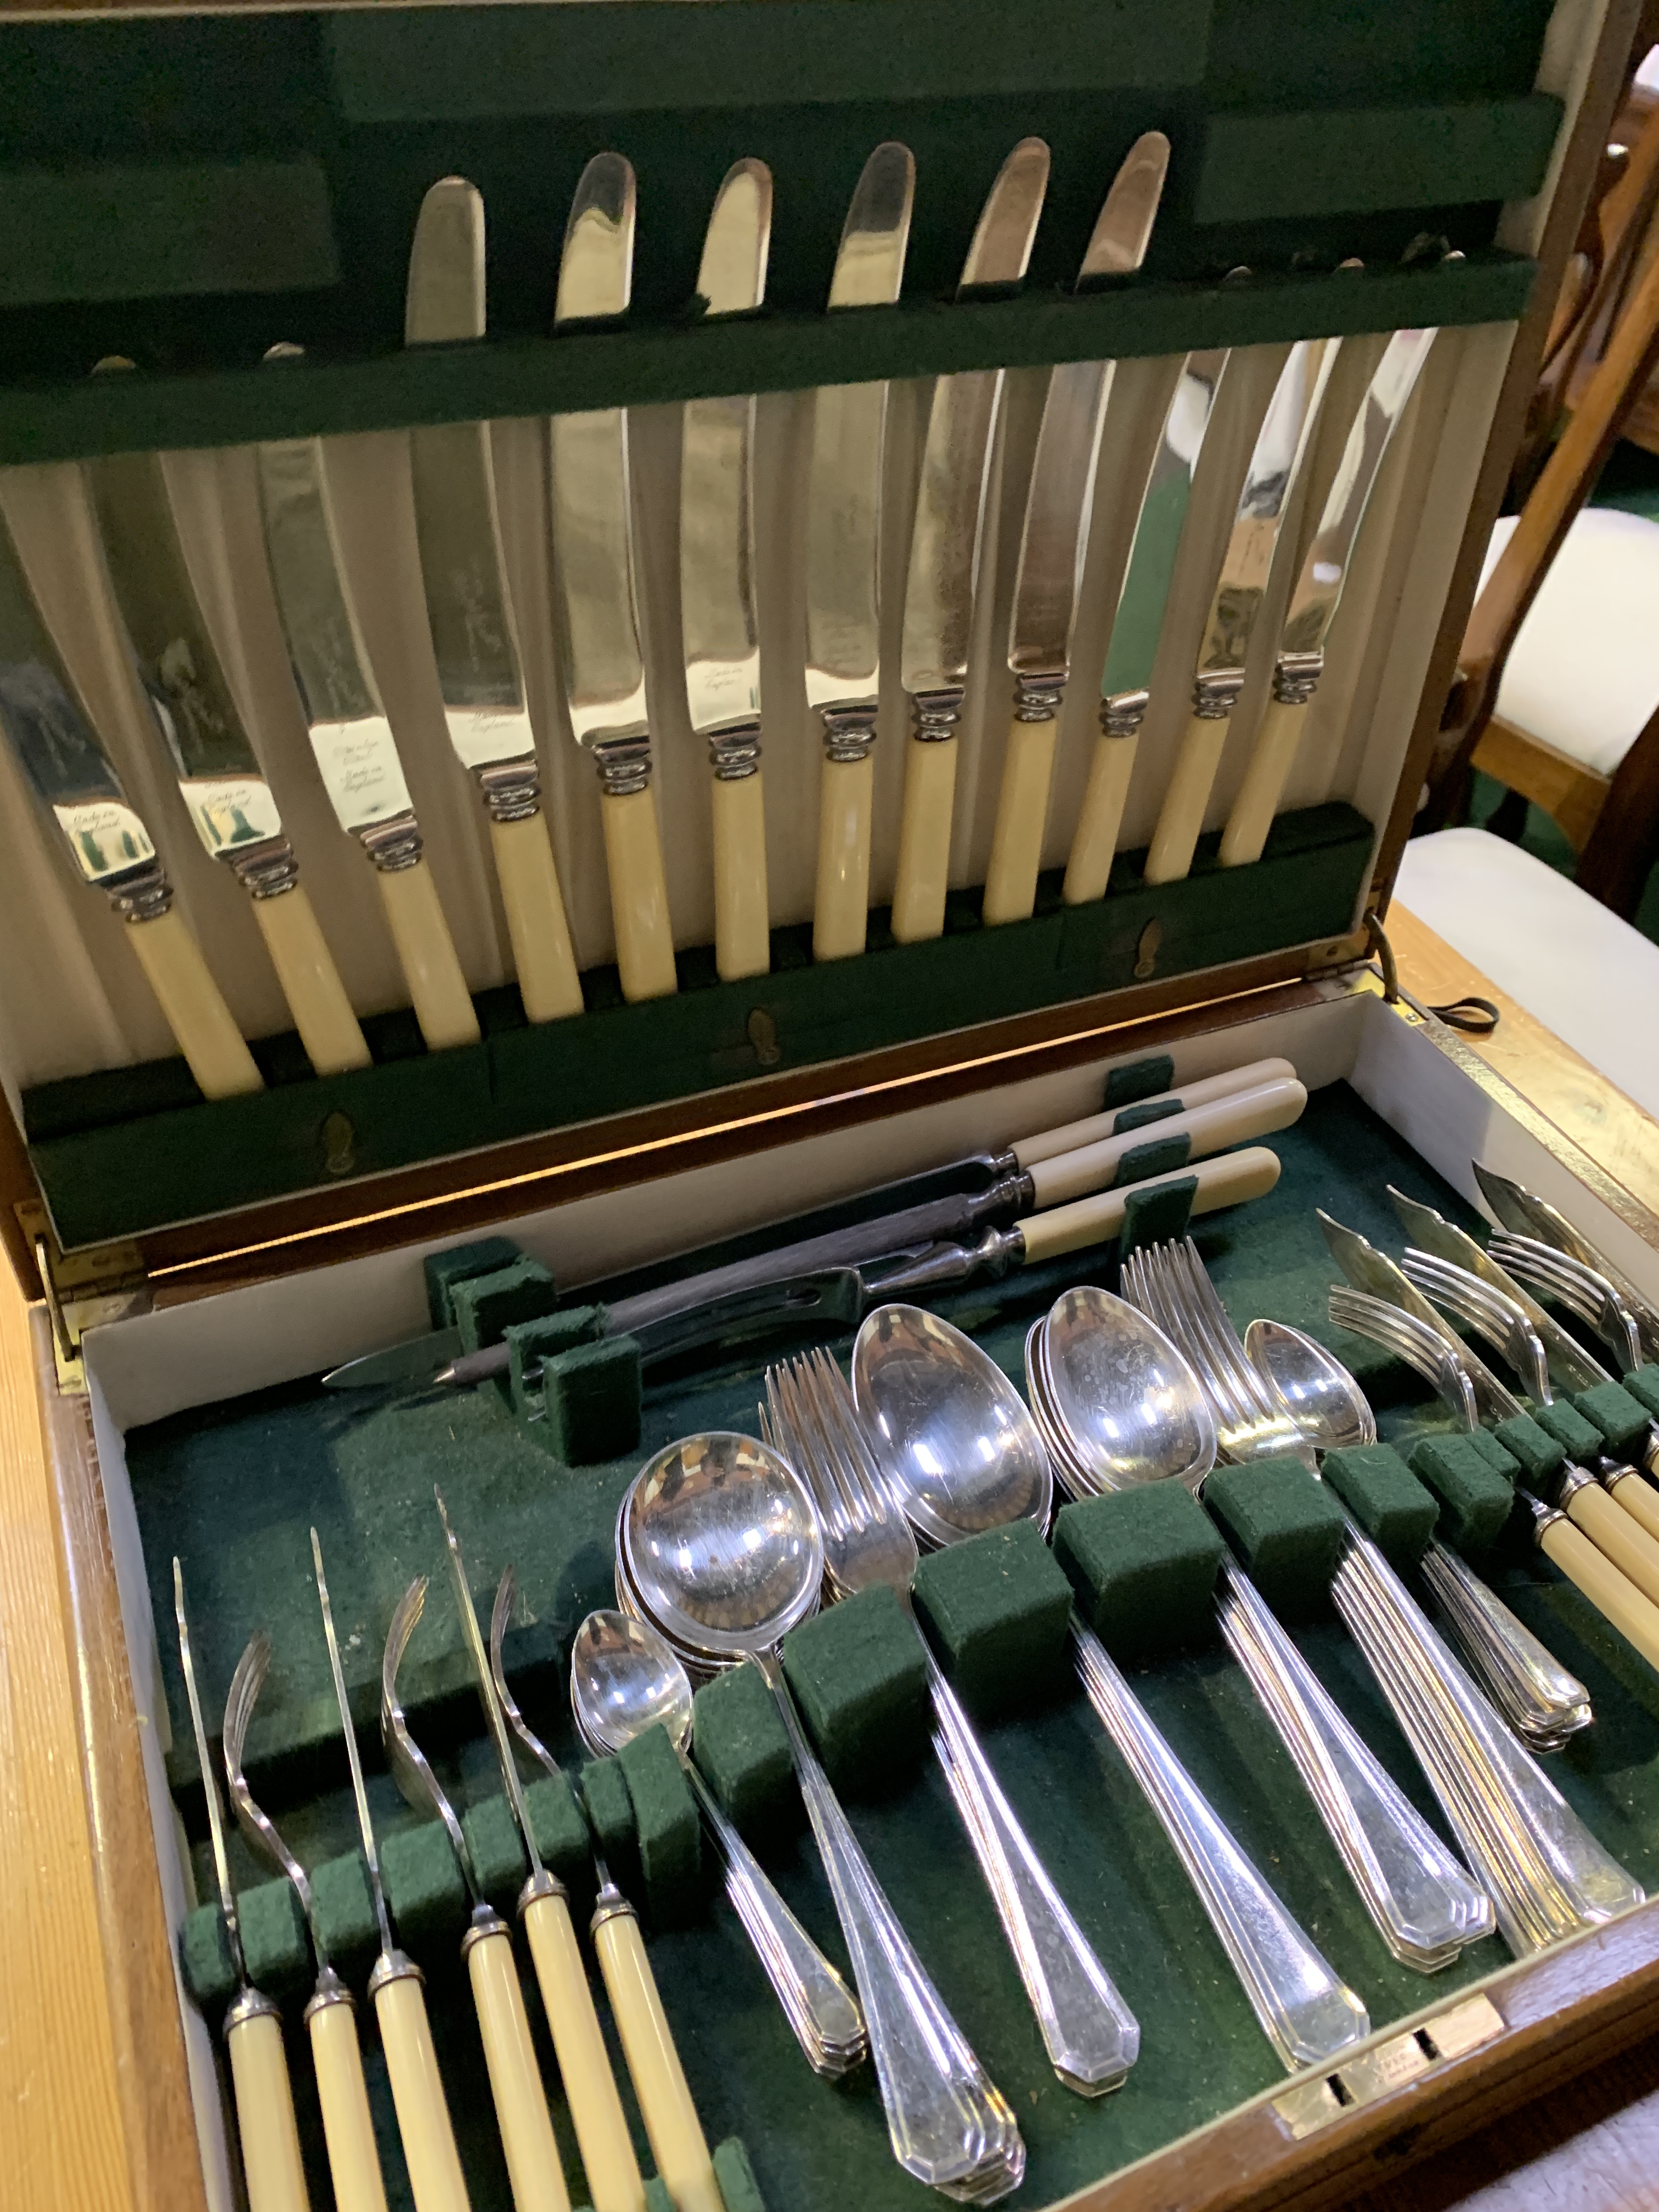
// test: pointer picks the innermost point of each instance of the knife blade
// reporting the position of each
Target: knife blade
(1372, 1271)
(1276, 463)
(720, 629)
(595, 612)
(351, 738)
(1318, 594)
(844, 557)
(470, 608)
(945, 542)
(1516, 1207)
(1054, 542)
(1131, 647)
(220, 779)
(51, 732)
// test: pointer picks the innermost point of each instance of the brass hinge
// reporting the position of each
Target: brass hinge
(105, 1282)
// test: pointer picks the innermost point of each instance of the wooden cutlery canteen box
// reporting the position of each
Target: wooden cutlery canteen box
(580, 979)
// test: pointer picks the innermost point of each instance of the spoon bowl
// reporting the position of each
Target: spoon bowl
(1311, 1386)
(1123, 1396)
(624, 1679)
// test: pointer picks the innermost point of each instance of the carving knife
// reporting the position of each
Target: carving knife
(224, 786)
(470, 609)
(52, 734)
(1279, 455)
(717, 582)
(1133, 646)
(350, 736)
(1516, 1208)
(593, 601)
(844, 557)
(1054, 541)
(1318, 594)
(945, 551)
(1039, 1189)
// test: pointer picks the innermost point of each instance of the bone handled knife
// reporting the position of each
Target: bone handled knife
(844, 557)
(1054, 541)
(1318, 594)
(719, 631)
(1280, 454)
(470, 609)
(593, 602)
(351, 738)
(51, 732)
(220, 779)
(1132, 648)
(945, 551)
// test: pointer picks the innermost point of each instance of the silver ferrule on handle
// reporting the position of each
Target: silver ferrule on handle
(848, 732)
(393, 845)
(1122, 712)
(144, 896)
(935, 715)
(511, 790)
(247, 2004)
(735, 753)
(624, 765)
(1215, 693)
(266, 870)
(1295, 676)
(1038, 698)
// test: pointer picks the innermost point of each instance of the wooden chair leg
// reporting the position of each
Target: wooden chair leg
(1621, 849)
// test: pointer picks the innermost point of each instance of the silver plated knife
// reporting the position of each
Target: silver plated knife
(1276, 463)
(945, 554)
(594, 598)
(351, 738)
(1318, 594)
(1138, 622)
(51, 732)
(1054, 541)
(222, 783)
(844, 557)
(720, 629)
(470, 609)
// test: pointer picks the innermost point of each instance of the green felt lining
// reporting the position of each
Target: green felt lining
(859, 1674)
(1133, 1084)
(1160, 1156)
(1286, 1528)
(996, 1609)
(742, 1750)
(1581, 1438)
(1475, 1499)
(1142, 1565)
(1619, 1416)
(1138, 1117)
(486, 1306)
(114, 1161)
(1390, 1504)
(1157, 1216)
(458, 1264)
(1642, 1384)
(590, 1400)
(1532, 1448)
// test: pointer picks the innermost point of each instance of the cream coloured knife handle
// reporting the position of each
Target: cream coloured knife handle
(264, 2114)
(353, 2163)
(1613, 1598)
(1100, 820)
(515, 2080)
(1028, 768)
(1276, 744)
(542, 956)
(639, 894)
(924, 857)
(1211, 1128)
(596, 2111)
(1618, 1536)
(1227, 1181)
(664, 2101)
(840, 916)
(437, 989)
(198, 1016)
(311, 983)
(1639, 1498)
(417, 2090)
(743, 944)
(1094, 1129)
(1181, 817)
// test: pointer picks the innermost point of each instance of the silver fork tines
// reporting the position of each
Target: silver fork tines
(1578, 1286)
(1488, 1311)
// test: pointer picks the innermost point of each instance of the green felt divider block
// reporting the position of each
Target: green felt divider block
(611, 1812)
(498, 1857)
(1642, 1384)
(738, 2186)
(1160, 1155)
(344, 1905)
(1149, 1110)
(1477, 1501)
(860, 1677)
(424, 1887)
(996, 1608)
(1142, 1564)
(205, 1958)
(1498, 1458)
(560, 1832)
(1581, 1438)
(592, 1397)
(666, 1825)
(742, 1751)
(1528, 1446)
(1390, 1504)
(1621, 1417)
(1286, 1528)
(1135, 1080)
(486, 1305)
(529, 1343)
(275, 1944)
(1157, 1216)
(486, 1256)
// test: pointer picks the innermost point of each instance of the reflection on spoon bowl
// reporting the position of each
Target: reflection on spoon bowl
(1125, 1399)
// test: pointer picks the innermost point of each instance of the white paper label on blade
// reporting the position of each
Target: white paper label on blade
(229, 811)
(360, 770)
(484, 735)
(107, 837)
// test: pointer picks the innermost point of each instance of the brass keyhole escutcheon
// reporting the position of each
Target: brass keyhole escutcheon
(763, 1036)
(339, 1144)
(1147, 951)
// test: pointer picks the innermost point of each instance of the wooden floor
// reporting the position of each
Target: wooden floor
(1592, 2148)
